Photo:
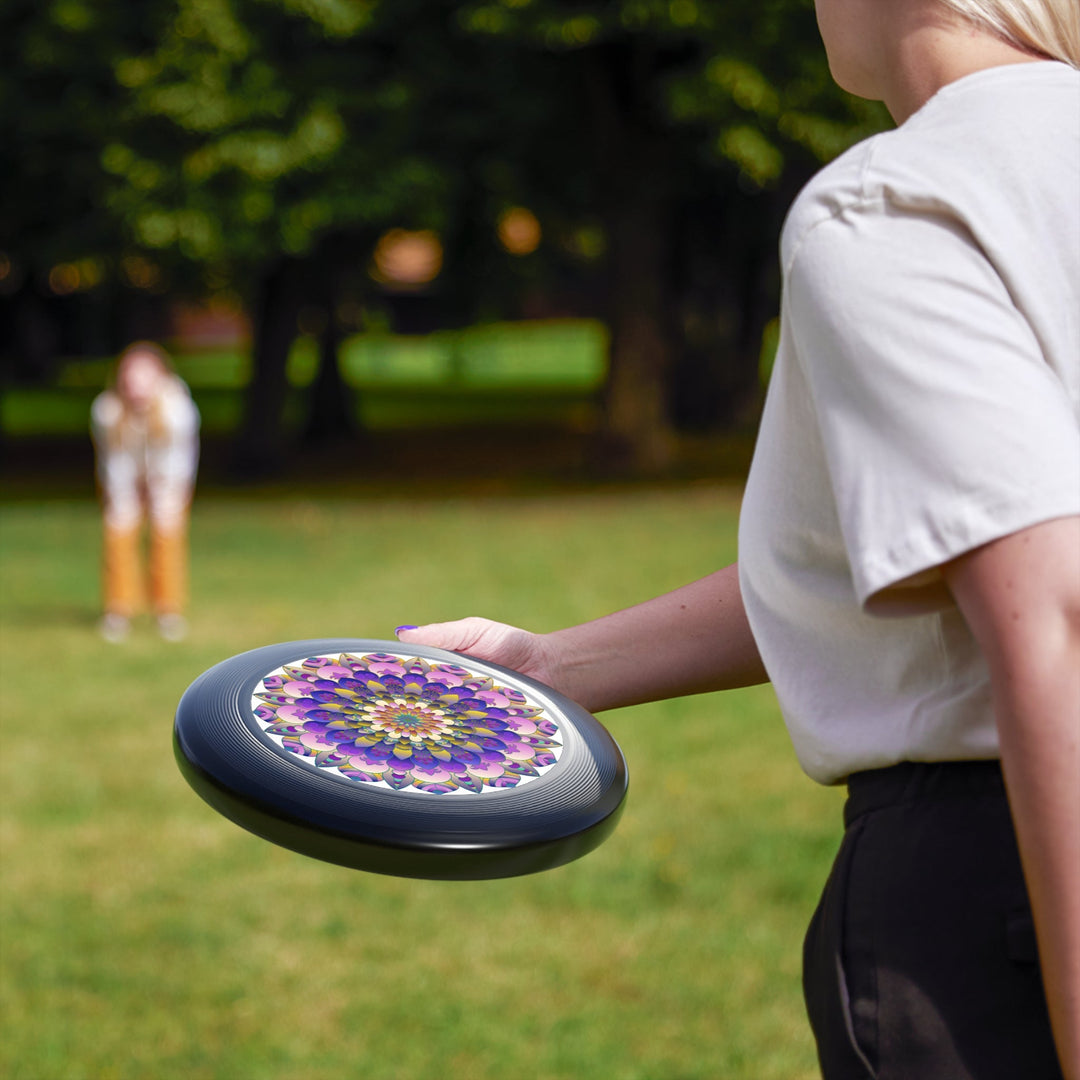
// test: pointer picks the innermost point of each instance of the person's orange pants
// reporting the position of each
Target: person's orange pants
(124, 584)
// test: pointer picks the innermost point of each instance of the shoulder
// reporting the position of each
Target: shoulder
(176, 403)
(988, 152)
(106, 410)
(832, 192)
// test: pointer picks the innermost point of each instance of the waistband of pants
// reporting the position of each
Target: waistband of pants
(911, 782)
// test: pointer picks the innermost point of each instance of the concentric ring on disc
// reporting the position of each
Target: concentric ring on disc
(409, 761)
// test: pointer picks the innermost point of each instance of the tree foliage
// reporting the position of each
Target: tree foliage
(264, 145)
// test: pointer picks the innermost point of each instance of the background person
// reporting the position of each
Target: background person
(909, 573)
(146, 437)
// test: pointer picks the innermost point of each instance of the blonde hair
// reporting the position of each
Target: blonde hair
(1048, 27)
(157, 427)
(153, 348)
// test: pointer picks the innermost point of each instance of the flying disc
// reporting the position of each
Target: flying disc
(400, 759)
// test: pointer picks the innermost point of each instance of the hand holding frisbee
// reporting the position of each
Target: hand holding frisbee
(400, 759)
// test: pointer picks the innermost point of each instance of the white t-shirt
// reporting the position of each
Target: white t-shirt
(925, 400)
(143, 462)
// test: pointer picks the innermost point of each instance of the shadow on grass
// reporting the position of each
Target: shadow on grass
(426, 463)
(48, 616)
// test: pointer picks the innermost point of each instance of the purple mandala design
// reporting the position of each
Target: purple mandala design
(406, 723)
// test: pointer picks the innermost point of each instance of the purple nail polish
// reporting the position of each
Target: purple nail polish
(397, 630)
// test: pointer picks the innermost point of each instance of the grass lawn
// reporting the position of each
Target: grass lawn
(146, 937)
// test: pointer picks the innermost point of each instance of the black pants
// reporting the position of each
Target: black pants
(920, 961)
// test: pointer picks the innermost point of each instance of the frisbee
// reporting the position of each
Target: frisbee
(400, 759)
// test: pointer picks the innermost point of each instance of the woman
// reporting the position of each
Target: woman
(909, 574)
(146, 430)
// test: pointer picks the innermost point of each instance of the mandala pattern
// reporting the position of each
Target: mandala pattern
(406, 723)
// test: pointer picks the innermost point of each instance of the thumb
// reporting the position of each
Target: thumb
(496, 642)
(454, 636)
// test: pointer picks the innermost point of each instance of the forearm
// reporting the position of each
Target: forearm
(1021, 598)
(690, 641)
(1039, 727)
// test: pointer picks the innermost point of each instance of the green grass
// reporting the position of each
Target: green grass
(146, 937)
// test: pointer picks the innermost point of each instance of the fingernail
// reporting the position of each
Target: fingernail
(398, 629)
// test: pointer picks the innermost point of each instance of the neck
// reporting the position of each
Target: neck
(934, 49)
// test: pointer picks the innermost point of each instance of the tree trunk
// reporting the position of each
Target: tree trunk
(331, 417)
(637, 425)
(635, 191)
(262, 444)
(35, 337)
(727, 283)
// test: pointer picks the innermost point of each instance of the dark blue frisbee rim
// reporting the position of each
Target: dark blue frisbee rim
(552, 820)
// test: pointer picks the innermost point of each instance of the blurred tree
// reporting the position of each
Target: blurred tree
(295, 134)
(273, 133)
(698, 121)
(261, 147)
(59, 106)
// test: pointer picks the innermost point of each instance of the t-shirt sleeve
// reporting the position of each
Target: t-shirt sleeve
(944, 425)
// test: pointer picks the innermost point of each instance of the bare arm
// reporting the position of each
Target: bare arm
(689, 641)
(1021, 598)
